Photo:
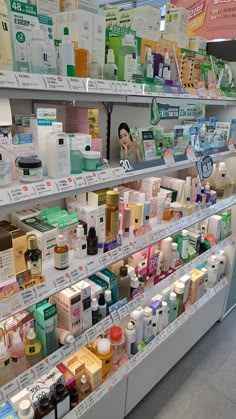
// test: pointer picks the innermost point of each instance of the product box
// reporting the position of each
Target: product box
(69, 309)
(19, 215)
(19, 243)
(48, 7)
(93, 367)
(70, 381)
(75, 367)
(177, 19)
(7, 268)
(97, 198)
(7, 412)
(18, 398)
(186, 280)
(6, 61)
(111, 280)
(197, 285)
(52, 379)
(196, 43)
(145, 21)
(46, 26)
(85, 290)
(99, 38)
(111, 17)
(100, 282)
(91, 6)
(214, 226)
(182, 38)
(45, 316)
(80, 25)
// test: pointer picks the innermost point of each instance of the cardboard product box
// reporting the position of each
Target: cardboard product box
(93, 367)
(69, 309)
(177, 19)
(48, 7)
(19, 243)
(45, 316)
(197, 285)
(99, 37)
(111, 17)
(75, 366)
(181, 38)
(70, 381)
(97, 198)
(80, 25)
(85, 290)
(197, 42)
(18, 216)
(145, 21)
(91, 6)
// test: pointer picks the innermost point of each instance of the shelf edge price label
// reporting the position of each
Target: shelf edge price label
(91, 179)
(45, 188)
(81, 341)
(76, 84)
(56, 83)
(106, 175)
(22, 193)
(65, 184)
(8, 79)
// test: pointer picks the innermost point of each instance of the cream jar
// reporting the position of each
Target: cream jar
(29, 169)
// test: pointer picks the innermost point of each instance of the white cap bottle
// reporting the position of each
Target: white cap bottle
(221, 257)
(147, 325)
(165, 315)
(95, 69)
(80, 245)
(212, 269)
(137, 317)
(26, 411)
(130, 338)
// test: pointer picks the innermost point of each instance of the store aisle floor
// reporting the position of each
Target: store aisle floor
(202, 385)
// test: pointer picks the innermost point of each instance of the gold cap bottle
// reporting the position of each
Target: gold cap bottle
(32, 242)
(113, 198)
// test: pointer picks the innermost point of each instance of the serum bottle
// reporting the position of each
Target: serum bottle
(110, 69)
(80, 243)
(17, 351)
(33, 257)
(61, 254)
(92, 242)
(112, 214)
(95, 69)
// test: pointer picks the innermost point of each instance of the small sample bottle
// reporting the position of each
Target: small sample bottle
(148, 64)
(74, 398)
(110, 69)
(127, 222)
(6, 370)
(105, 353)
(117, 340)
(92, 242)
(61, 254)
(167, 211)
(95, 311)
(124, 283)
(82, 60)
(33, 348)
(147, 325)
(25, 411)
(95, 69)
(173, 307)
(102, 307)
(17, 351)
(108, 299)
(66, 56)
(179, 291)
(45, 410)
(174, 259)
(112, 214)
(61, 400)
(183, 245)
(80, 243)
(83, 388)
(33, 257)
(130, 336)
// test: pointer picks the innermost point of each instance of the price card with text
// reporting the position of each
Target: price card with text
(55, 358)
(22, 193)
(99, 328)
(101, 391)
(115, 317)
(81, 341)
(168, 157)
(80, 409)
(117, 87)
(41, 368)
(132, 305)
(106, 175)
(190, 153)
(75, 275)
(76, 84)
(10, 389)
(123, 312)
(117, 254)
(139, 299)
(138, 89)
(67, 350)
(11, 306)
(45, 188)
(27, 378)
(91, 400)
(129, 248)
(93, 266)
(30, 81)
(135, 360)
(91, 86)
(107, 322)
(91, 179)
(125, 369)
(82, 271)
(43, 289)
(56, 83)
(105, 260)
(128, 88)
(119, 173)
(105, 86)
(8, 79)
(91, 334)
(29, 297)
(79, 181)
(65, 184)
(62, 281)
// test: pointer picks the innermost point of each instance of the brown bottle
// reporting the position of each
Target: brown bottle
(61, 399)
(33, 257)
(83, 388)
(61, 254)
(45, 410)
(92, 242)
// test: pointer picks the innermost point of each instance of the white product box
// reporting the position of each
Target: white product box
(18, 398)
(186, 280)
(96, 290)
(177, 20)
(214, 226)
(197, 42)
(48, 7)
(111, 17)
(144, 20)
(99, 37)
(71, 5)
(80, 24)
(182, 38)
(69, 309)
(85, 290)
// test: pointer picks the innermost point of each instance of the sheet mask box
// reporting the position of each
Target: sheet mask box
(197, 285)
(177, 19)
(18, 398)
(69, 309)
(214, 226)
(37, 391)
(145, 21)
(82, 140)
(7, 412)
(85, 290)
(45, 316)
(186, 280)
(93, 367)
(7, 268)
(60, 20)
(91, 6)
(70, 381)
(75, 366)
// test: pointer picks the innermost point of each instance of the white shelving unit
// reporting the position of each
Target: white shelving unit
(121, 392)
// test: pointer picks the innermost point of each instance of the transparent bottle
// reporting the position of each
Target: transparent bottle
(6, 370)
(82, 60)
(174, 258)
(80, 243)
(127, 59)
(110, 69)
(148, 64)
(76, 158)
(61, 254)
(95, 69)
(124, 283)
(83, 388)
(33, 348)
(33, 257)
(17, 351)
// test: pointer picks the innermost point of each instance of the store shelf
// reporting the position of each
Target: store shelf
(15, 85)
(81, 269)
(19, 195)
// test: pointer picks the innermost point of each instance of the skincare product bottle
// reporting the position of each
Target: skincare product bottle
(38, 50)
(212, 271)
(179, 291)
(112, 214)
(124, 283)
(160, 263)
(33, 257)
(117, 340)
(108, 300)
(165, 315)
(147, 325)
(65, 337)
(148, 64)
(155, 307)
(167, 211)
(183, 245)
(110, 69)
(161, 199)
(74, 397)
(95, 69)
(82, 60)
(166, 250)
(166, 72)
(204, 245)
(61, 254)
(61, 400)
(92, 242)
(95, 311)
(83, 388)
(33, 348)
(76, 157)
(127, 222)
(58, 152)
(104, 352)
(127, 58)
(134, 286)
(175, 258)
(6, 370)
(220, 180)
(80, 243)
(66, 57)
(221, 257)
(45, 410)
(130, 339)
(25, 411)
(173, 307)
(17, 351)
(159, 319)
(146, 212)
(227, 191)
(188, 185)
(102, 307)
(138, 215)
(137, 317)
(5, 167)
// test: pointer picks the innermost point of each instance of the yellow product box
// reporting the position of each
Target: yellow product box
(93, 367)
(75, 366)
(197, 285)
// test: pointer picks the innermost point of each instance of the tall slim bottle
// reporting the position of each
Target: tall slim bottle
(33, 348)
(112, 214)
(6, 370)
(17, 351)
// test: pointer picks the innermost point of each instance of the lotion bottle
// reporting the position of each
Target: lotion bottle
(166, 72)
(66, 56)
(58, 152)
(82, 60)
(17, 351)
(179, 291)
(127, 58)
(147, 325)
(33, 348)
(38, 50)
(80, 243)
(213, 271)
(148, 64)
(221, 257)
(110, 69)
(95, 69)
(130, 339)
(173, 307)
(137, 317)
(6, 371)
(124, 283)
(61, 254)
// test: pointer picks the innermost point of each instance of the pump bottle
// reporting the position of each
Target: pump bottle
(110, 69)
(148, 64)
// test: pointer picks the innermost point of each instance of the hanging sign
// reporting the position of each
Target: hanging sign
(205, 167)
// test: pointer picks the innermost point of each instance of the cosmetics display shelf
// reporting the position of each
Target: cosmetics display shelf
(81, 269)
(28, 377)
(131, 365)
(15, 85)
(18, 195)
